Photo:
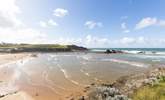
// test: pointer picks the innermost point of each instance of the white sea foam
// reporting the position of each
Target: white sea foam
(132, 51)
(87, 57)
(150, 56)
(87, 74)
(84, 63)
(160, 53)
(40, 84)
(137, 64)
(65, 73)
(53, 56)
(23, 61)
(46, 77)
(67, 76)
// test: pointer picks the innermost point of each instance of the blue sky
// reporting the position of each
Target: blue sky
(91, 23)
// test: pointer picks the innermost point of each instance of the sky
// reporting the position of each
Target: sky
(89, 23)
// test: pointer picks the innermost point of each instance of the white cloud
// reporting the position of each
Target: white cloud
(93, 24)
(146, 22)
(52, 22)
(161, 23)
(93, 41)
(133, 41)
(48, 23)
(60, 12)
(8, 13)
(43, 24)
(25, 35)
(67, 41)
(123, 25)
(127, 40)
(12, 29)
(124, 28)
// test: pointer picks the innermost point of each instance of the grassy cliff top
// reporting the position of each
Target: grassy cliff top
(39, 48)
(32, 46)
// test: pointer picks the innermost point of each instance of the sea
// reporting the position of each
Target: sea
(133, 50)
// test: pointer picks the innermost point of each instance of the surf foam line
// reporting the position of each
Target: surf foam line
(45, 75)
(29, 81)
(87, 74)
(21, 70)
(150, 56)
(17, 74)
(127, 62)
(23, 61)
(68, 77)
(87, 57)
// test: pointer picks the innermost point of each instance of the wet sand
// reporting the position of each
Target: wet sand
(7, 89)
(17, 83)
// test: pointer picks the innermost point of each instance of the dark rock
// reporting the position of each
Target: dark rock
(141, 52)
(92, 84)
(113, 51)
(82, 98)
(108, 51)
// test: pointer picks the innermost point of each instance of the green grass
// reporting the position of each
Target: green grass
(33, 46)
(156, 92)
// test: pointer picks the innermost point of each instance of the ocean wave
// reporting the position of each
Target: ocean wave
(156, 57)
(144, 52)
(68, 76)
(131, 51)
(86, 57)
(137, 64)
(53, 56)
(160, 53)
(46, 77)
(29, 81)
(87, 74)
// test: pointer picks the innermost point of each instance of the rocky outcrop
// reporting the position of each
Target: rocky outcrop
(108, 51)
